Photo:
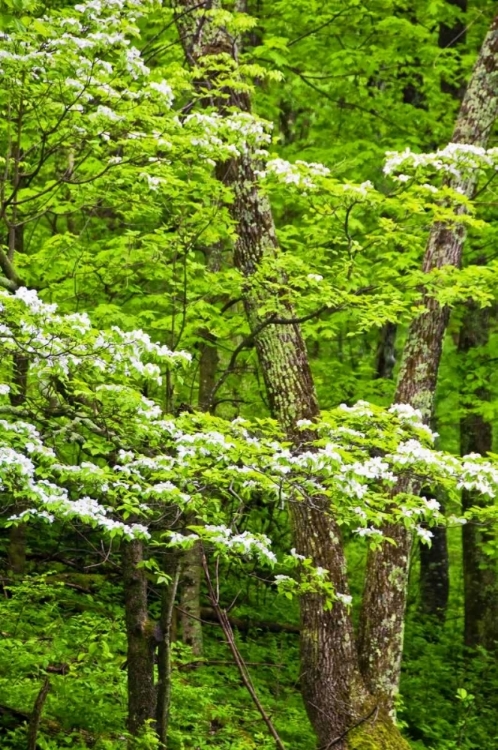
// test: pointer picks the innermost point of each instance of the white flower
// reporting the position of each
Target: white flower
(164, 89)
(425, 534)
(368, 531)
(296, 556)
(346, 599)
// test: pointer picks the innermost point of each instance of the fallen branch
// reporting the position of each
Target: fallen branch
(244, 625)
(223, 663)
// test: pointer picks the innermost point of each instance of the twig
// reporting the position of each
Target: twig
(336, 741)
(227, 629)
(34, 722)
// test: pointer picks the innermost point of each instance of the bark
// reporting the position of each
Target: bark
(383, 607)
(451, 37)
(333, 691)
(164, 652)
(141, 640)
(190, 606)
(386, 352)
(434, 560)
(16, 551)
(434, 575)
(34, 722)
(480, 581)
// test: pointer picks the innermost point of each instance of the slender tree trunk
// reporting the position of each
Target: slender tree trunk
(434, 560)
(480, 579)
(190, 604)
(383, 608)
(16, 550)
(164, 651)
(435, 576)
(141, 639)
(386, 352)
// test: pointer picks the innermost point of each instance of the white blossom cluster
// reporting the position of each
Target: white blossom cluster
(363, 190)
(246, 543)
(63, 343)
(179, 462)
(85, 73)
(87, 36)
(300, 173)
(459, 160)
(225, 136)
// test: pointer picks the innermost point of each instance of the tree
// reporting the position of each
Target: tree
(284, 363)
(381, 629)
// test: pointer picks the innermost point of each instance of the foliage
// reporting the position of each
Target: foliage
(117, 278)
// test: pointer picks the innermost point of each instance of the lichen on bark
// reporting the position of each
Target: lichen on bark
(383, 607)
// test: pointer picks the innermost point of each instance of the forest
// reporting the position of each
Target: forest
(248, 344)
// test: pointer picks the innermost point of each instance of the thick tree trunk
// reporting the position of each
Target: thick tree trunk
(341, 710)
(334, 693)
(383, 608)
(141, 639)
(480, 581)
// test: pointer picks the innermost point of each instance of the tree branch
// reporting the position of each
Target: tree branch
(227, 629)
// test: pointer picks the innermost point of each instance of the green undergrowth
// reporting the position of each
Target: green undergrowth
(71, 631)
(50, 629)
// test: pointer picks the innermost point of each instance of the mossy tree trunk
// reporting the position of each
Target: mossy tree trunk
(383, 608)
(334, 693)
(141, 641)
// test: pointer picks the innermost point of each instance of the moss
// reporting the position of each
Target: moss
(378, 735)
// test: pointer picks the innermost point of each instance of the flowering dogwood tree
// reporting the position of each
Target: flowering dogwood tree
(87, 447)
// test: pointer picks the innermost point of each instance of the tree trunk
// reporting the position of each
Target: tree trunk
(383, 607)
(190, 587)
(190, 605)
(16, 550)
(435, 576)
(141, 640)
(480, 580)
(434, 560)
(341, 710)
(386, 352)
(164, 651)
